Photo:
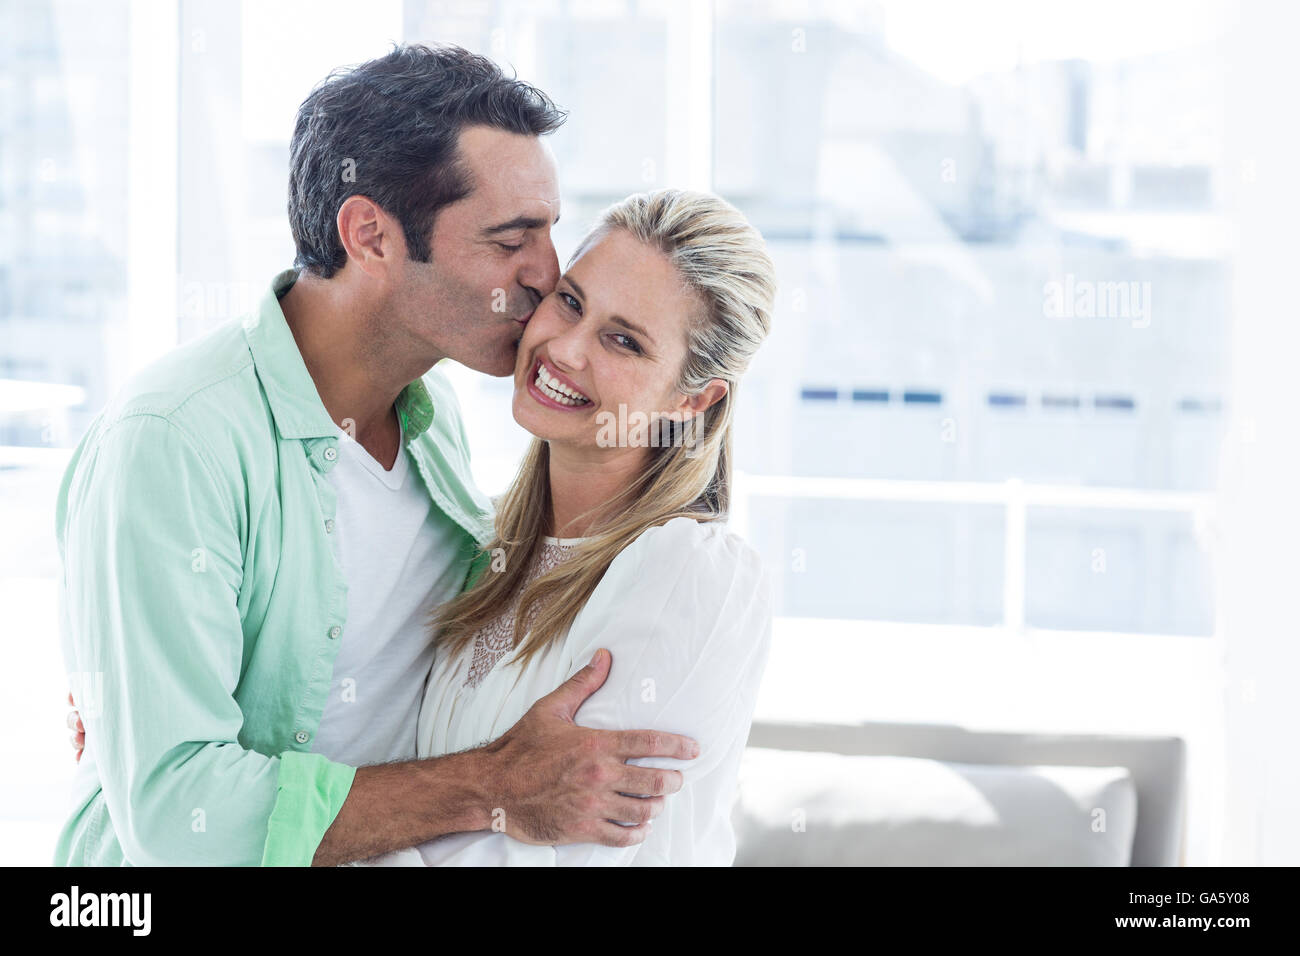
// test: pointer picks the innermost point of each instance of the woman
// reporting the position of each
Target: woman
(611, 534)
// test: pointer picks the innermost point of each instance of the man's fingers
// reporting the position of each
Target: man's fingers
(568, 697)
(611, 834)
(649, 781)
(654, 743)
(636, 810)
(74, 721)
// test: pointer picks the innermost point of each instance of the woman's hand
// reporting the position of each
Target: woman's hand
(78, 736)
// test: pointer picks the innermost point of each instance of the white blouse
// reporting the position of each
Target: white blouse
(686, 612)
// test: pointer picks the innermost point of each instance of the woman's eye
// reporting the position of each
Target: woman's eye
(628, 342)
(571, 302)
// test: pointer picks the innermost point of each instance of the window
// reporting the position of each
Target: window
(985, 430)
(994, 271)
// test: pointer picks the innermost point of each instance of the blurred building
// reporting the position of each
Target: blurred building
(63, 157)
(1019, 277)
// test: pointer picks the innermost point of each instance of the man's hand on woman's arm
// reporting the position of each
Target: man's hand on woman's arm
(546, 780)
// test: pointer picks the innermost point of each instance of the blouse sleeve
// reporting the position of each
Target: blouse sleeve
(688, 620)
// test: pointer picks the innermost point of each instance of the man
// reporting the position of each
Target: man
(254, 531)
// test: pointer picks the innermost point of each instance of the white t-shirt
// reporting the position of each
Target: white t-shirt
(686, 610)
(400, 557)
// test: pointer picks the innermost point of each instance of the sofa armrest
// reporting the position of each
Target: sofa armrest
(1157, 764)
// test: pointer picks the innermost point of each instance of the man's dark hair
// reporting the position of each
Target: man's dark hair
(388, 130)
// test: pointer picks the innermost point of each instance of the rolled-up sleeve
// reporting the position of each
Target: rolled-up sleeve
(151, 543)
(309, 794)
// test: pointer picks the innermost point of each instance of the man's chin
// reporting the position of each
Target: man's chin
(504, 367)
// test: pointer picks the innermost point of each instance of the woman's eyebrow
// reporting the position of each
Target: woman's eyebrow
(616, 319)
(632, 326)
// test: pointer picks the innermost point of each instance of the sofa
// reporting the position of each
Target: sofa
(897, 794)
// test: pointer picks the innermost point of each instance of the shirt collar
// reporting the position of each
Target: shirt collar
(295, 403)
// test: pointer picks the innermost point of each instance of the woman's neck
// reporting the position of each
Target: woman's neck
(585, 478)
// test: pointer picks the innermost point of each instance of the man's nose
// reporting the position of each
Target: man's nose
(542, 271)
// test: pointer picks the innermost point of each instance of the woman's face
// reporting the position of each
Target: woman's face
(614, 332)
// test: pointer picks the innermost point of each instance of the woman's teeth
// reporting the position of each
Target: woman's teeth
(549, 386)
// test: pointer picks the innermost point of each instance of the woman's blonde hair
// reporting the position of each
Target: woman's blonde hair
(723, 259)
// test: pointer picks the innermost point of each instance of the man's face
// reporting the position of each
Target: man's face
(492, 256)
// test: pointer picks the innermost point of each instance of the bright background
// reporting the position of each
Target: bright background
(981, 508)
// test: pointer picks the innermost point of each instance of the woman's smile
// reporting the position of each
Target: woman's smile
(547, 388)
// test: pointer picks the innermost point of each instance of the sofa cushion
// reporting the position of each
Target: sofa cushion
(806, 808)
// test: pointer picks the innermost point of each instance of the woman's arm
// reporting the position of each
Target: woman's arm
(688, 621)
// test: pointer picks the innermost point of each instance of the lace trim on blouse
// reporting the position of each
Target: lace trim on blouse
(493, 641)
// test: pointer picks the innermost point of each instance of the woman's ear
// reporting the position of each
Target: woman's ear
(701, 401)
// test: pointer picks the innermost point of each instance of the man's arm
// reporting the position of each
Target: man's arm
(566, 789)
(555, 782)
(396, 805)
(152, 567)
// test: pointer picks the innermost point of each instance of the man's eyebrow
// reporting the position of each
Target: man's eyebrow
(519, 222)
(616, 319)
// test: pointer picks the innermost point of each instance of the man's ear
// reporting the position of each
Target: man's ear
(371, 237)
(700, 402)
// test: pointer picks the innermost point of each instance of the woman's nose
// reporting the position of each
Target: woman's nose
(569, 348)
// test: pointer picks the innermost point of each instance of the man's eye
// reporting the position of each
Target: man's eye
(510, 248)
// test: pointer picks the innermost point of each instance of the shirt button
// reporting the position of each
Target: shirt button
(330, 453)
(329, 525)
(335, 631)
(302, 736)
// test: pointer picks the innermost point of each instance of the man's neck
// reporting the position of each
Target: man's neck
(350, 353)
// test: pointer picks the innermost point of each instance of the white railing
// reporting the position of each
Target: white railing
(1014, 495)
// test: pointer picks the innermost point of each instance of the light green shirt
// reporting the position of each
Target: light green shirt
(202, 604)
